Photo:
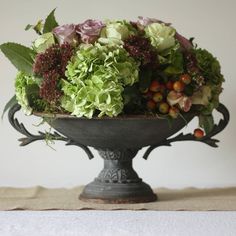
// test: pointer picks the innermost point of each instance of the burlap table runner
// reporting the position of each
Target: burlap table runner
(189, 199)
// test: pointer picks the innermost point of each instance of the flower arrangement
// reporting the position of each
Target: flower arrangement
(109, 68)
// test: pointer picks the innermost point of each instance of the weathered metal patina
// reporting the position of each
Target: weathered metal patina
(117, 140)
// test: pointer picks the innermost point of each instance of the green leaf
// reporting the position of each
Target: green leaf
(206, 122)
(37, 28)
(10, 104)
(131, 94)
(176, 63)
(28, 27)
(20, 56)
(50, 22)
(145, 77)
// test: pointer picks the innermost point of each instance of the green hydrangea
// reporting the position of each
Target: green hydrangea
(211, 71)
(23, 86)
(96, 79)
(209, 65)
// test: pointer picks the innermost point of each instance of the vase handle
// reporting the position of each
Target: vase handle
(207, 139)
(29, 138)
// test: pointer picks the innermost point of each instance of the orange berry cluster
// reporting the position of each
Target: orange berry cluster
(156, 95)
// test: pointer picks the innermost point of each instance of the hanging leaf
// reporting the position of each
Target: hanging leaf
(20, 56)
(50, 22)
(206, 122)
(10, 104)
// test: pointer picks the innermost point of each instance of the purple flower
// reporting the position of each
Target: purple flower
(184, 43)
(90, 30)
(66, 34)
(144, 21)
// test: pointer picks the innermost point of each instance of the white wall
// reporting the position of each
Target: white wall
(212, 22)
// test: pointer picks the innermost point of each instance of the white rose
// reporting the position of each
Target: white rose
(43, 42)
(161, 36)
(114, 32)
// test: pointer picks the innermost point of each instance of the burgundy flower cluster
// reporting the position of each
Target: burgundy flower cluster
(49, 88)
(141, 49)
(51, 66)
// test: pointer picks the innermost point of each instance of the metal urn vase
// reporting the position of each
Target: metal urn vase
(117, 141)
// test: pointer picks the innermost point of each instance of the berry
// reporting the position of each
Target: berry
(178, 86)
(155, 86)
(174, 112)
(185, 78)
(151, 105)
(157, 97)
(169, 85)
(198, 133)
(163, 108)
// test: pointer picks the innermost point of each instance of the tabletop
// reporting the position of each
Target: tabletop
(107, 223)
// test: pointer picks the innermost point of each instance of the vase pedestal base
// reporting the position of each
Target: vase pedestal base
(116, 193)
(118, 182)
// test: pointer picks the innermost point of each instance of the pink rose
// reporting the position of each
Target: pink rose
(66, 34)
(89, 31)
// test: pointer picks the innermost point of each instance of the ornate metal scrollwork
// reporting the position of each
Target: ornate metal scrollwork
(118, 175)
(118, 154)
(207, 139)
(29, 138)
(118, 166)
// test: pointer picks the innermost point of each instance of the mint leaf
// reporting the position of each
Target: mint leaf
(10, 104)
(20, 56)
(206, 122)
(50, 22)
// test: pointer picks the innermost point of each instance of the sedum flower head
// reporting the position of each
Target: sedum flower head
(141, 50)
(55, 58)
(96, 77)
